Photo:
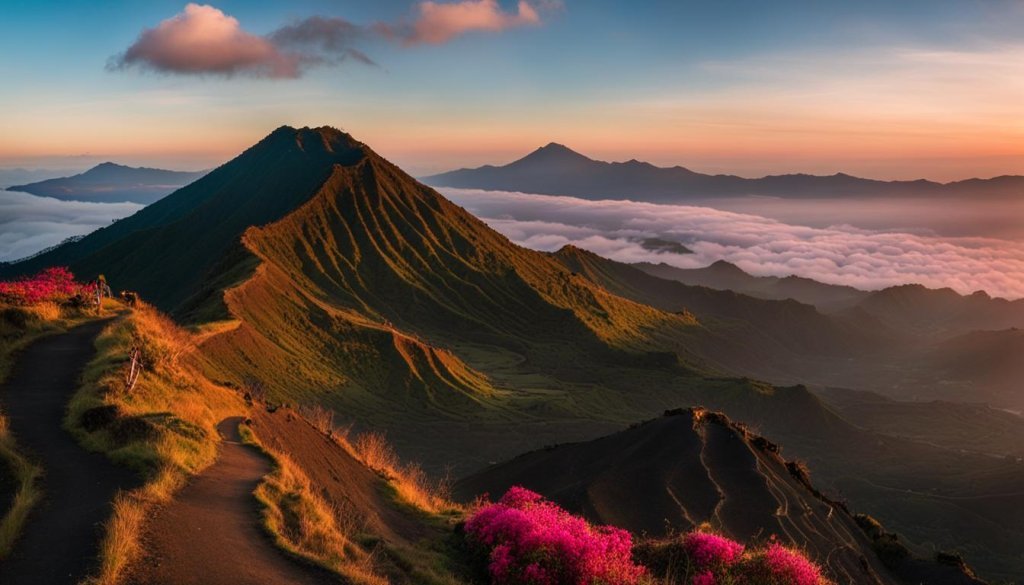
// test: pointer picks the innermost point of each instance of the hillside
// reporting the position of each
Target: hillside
(112, 183)
(557, 170)
(692, 467)
(942, 313)
(722, 275)
(959, 426)
(773, 339)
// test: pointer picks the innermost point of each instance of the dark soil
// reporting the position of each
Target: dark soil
(61, 538)
(211, 533)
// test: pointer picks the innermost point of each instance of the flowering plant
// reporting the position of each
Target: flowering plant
(705, 558)
(531, 541)
(55, 284)
(779, 565)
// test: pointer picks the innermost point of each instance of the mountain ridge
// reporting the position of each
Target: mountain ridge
(109, 182)
(555, 169)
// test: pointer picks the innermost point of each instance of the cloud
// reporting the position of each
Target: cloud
(440, 22)
(321, 37)
(837, 254)
(29, 223)
(202, 39)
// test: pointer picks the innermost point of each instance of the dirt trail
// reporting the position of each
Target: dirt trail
(211, 534)
(61, 538)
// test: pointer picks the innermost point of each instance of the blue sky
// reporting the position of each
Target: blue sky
(888, 89)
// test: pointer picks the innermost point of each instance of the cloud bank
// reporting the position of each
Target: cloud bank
(838, 254)
(203, 40)
(29, 223)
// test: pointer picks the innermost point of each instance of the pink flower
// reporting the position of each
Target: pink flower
(532, 541)
(52, 284)
(711, 551)
(784, 566)
(705, 578)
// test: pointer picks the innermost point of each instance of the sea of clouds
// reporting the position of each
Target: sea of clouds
(29, 223)
(838, 254)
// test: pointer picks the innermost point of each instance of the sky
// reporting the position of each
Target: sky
(910, 89)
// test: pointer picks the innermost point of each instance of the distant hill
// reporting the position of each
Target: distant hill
(722, 275)
(557, 170)
(768, 338)
(691, 467)
(112, 183)
(943, 312)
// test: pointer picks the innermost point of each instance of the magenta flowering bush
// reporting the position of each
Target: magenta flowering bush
(709, 553)
(531, 541)
(51, 285)
(705, 558)
(779, 565)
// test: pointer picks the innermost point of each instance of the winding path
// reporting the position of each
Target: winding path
(211, 533)
(61, 538)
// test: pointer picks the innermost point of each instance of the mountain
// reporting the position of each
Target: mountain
(926, 344)
(317, 273)
(557, 170)
(771, 339)
(942, 313)
(722, 275)
(112, 183)
(692, 467)
(958, 426)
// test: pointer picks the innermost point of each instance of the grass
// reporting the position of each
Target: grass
(20, 326)
(304, 524)
(335, 534)
(165, 427)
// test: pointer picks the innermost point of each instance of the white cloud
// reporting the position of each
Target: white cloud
(838, 254)
(29, 223)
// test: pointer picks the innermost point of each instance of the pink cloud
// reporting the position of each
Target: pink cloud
(202, 39)
(440, 22)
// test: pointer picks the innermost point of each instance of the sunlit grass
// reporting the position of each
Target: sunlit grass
(306, 525)
(165, 426)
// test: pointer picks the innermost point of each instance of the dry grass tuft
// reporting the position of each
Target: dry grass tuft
(411, 483)
(305, 524)
(26, 495)
(121, 538)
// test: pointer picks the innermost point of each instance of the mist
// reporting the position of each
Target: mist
(29, 224)
(820, 243)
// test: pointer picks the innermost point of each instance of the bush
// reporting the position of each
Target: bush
(528, 540)
(705, 558)
(55, 284)
(99, 417)
(779, 565)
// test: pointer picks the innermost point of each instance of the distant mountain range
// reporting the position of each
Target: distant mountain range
(558, 170)
(112, 183)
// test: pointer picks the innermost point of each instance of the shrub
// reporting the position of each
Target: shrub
(710, 553)
(55, 284)
(704, 558)
(779, 565)
(530, 541)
